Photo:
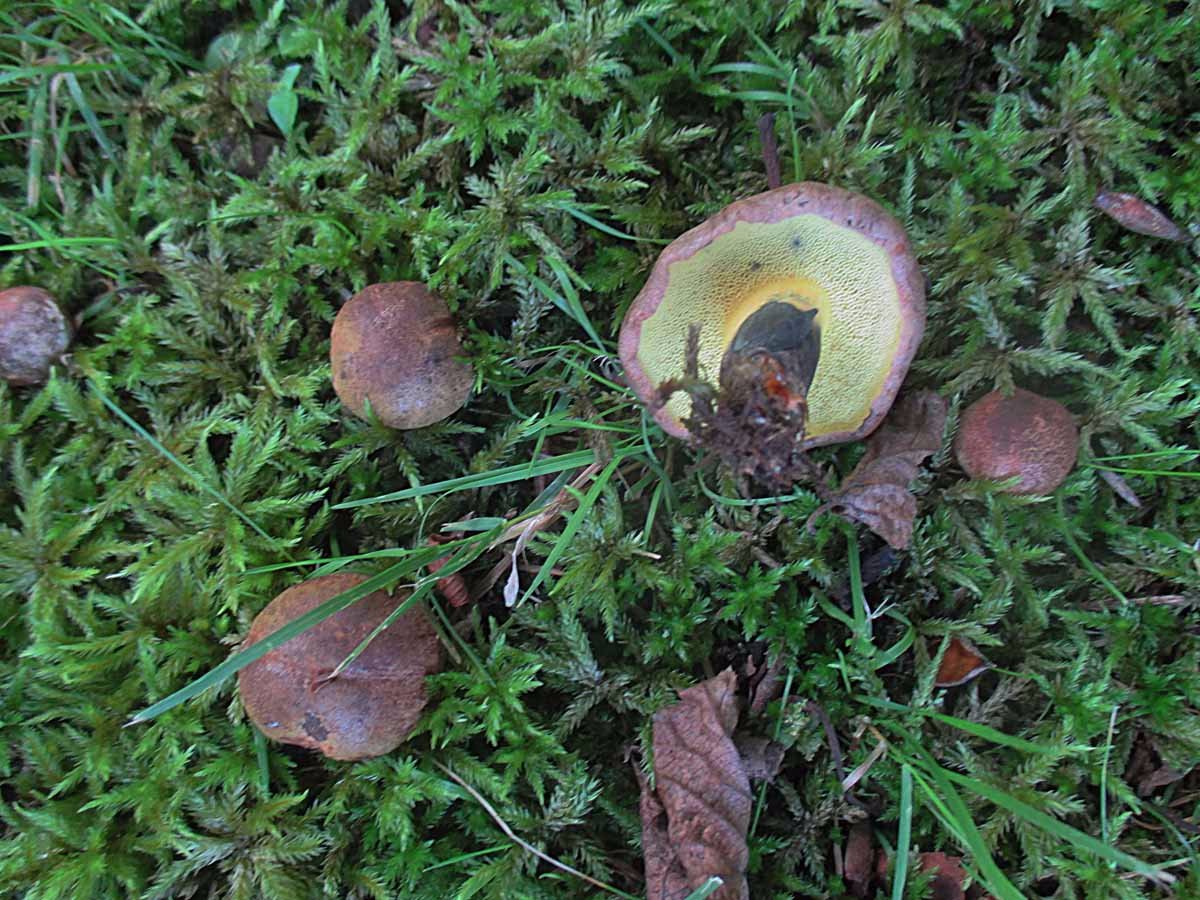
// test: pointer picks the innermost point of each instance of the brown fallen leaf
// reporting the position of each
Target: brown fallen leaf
(453, 587)
(694, 821)
(1134, 213)
(761, 757)
(960, 663)
(860, 856)
(949, 875)
(876, 493)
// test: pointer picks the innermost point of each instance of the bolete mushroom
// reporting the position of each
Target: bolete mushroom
(820, 276)
(394, 346)
(1024, 434)
(34, 335)
(368, 708)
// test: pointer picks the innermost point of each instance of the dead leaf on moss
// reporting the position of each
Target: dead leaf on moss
(876, 493)
(694, 821)
(761, 757)
(1134, 213)
(860, 856)
(949, 876)
(960, 663)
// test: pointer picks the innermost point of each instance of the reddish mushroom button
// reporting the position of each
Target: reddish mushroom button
(1025, 435)
(821, 277)
(394, 348)
(371, 706)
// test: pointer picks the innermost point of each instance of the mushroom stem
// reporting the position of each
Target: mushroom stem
(770, 150)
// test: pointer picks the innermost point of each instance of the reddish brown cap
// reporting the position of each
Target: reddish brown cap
(372, 705)
(1026, 434)
(34, 335)
(809, 245)
(394, 345)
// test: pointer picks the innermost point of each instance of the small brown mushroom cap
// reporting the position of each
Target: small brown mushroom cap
(811, 246)
(34, 335)
(372, 705)
(1026, 434)
(394, 345)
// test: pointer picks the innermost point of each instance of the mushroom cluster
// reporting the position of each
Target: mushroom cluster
(818, 276)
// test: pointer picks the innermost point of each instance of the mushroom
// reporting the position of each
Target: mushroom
(34, 335)
(1023, 434)
(369, 707)
(821, 277)
(394, 346)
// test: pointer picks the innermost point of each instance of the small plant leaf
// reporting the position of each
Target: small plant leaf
(283, 104)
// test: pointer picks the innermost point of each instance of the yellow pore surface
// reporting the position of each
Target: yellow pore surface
(806, 260)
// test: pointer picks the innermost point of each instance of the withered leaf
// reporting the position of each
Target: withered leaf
(694, 822)
(949, 875)
(1134, 213)
(665, 877)
(876, 493)
(859, 858)
(761, 757)
(1121, 487)
(960, 663)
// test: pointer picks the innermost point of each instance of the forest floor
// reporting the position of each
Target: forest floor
(203, 185)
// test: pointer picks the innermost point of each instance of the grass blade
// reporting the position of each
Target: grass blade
(506, 475)
(574, 521)
(608, 229)
(705, 890)
(904, 835)
(187, 470)
(238, 661)
(1060, 830)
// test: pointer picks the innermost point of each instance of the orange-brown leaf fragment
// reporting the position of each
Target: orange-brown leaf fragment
(694, 822)
(949, 875)
(860, 858)
(960, 663)
(1136, 214)
(876, 493)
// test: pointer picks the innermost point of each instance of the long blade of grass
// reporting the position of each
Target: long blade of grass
(1060, 830)
(607, 229)
(1164, 472)
(705, 890)
(986, 732)
(574, 521)
(37, 100)
(1092, 569)
(53, 243)
(89, 116)
(953, 806)
(1177, 451)
(463, 857)
(904, 835)
(240, 660)
(187, 470)
(519, 472)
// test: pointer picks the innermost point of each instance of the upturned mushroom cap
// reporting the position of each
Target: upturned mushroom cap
(34, 335)
(372, 705)
(394, 345)
(1026, 434)
(833, 255)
